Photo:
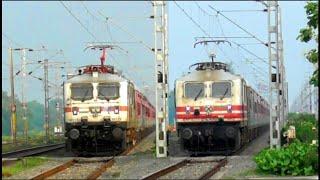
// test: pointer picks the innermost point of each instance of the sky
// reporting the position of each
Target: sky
(48, 23)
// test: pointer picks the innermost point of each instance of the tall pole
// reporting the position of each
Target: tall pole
(13, 105)
(46, 99)
(23, 92)
(274, 73)
(161, 68)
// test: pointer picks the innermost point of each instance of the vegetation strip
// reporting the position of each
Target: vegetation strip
(6, 162)
(95, 174)
(16, 167)
(55, 170)
(32, 151)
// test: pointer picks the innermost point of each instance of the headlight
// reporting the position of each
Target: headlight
(116, 109)
(188, 109)
(229, 108)
(75, 110)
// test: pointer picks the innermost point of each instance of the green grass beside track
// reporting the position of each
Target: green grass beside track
(22, 165)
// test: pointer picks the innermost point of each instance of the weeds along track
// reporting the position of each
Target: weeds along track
(33, 151)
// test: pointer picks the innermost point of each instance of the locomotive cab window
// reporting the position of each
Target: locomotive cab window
(221, 89)
(81, 92)
(194, 90)
(108, 91)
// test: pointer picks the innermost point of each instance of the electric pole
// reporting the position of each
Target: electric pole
(46, 100)
(13, 105)
(277, 91)
(23, 92)
(161, 71)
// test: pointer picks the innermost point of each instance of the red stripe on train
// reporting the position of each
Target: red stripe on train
(204, 116)
(215, 108)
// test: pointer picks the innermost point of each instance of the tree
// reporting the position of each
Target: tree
(311, 33)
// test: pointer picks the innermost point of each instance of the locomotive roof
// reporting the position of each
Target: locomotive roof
(209, 75)
(102, 77)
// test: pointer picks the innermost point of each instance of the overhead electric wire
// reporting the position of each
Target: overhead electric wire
(209, 35)
(12, 41)
(129, 33)
(191, 19)
(250, 52)
(118, 46)
(241, 45)
(220, 26)
(200, 28)
(201, 9)
(244, 10)
(254, 36)
(89, 12)
(120, 27)
(78, 20)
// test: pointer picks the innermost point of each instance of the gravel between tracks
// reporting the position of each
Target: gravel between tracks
(239, 165)
(190, 171)
(136, 166)
(77, 171)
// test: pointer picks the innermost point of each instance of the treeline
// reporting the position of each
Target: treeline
(35, 115)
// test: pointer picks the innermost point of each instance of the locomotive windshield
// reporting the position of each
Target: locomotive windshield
(108, 91)
(221, 89)
(81, 92)
(194, 90)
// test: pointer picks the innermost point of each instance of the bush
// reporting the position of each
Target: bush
(303, 124)
(296, 159)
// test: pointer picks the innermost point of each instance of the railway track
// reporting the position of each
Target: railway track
(188, 165)
(32, 151)
(77, 169)
(80, 168)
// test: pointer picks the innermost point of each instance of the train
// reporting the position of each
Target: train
(104, 111)
(216, 110)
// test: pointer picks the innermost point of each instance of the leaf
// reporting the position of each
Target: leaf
(305, 34)
(308, 171)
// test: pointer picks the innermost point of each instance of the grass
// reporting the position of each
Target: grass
(34, 140)
(24, 164)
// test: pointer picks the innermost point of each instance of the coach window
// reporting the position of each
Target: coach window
(81, 91)
(107, 91)
(221, 89)
(194, 90)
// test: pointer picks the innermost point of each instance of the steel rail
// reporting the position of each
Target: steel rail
(32, 151)
(171, 168)
(166, 170)
(55, 170)
(95, 174)
(214, 170)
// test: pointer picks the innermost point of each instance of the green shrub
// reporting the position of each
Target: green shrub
(296, 159)
(303, 124)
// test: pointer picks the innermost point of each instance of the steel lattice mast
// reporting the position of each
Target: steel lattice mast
(161, 71)
(277, 83)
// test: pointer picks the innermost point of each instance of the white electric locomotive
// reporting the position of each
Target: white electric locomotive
(104, 111)
(216, 110)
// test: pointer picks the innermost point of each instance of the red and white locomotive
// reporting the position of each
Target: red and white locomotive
(216, 110)
(104, 111)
